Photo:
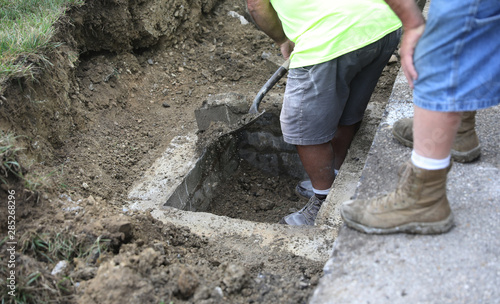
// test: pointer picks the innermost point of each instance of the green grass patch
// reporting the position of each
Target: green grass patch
(53, 247)
(26, 33)
(8, 157)
(12, 170)
(34, 285)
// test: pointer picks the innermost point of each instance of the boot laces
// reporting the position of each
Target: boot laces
(396, 198)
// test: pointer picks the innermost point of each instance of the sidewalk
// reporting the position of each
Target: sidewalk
(462, 266)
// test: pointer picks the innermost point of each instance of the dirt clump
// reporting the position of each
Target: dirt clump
(126, 82)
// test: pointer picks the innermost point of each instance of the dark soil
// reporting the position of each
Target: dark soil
(256, 196)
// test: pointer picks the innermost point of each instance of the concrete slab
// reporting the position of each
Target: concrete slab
(313, 243)
(227, 108)
(167, 173)
(462, 266)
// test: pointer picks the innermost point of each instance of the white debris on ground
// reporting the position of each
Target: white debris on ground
(236, 15)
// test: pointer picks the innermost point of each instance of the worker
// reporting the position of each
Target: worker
(452, 63)
(337, 51)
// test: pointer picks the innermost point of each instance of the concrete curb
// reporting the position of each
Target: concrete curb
(462, 266)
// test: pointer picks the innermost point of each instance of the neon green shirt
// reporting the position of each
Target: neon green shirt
(323, 30)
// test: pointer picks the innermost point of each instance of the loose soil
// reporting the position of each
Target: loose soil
(256, 196)
(126, 81)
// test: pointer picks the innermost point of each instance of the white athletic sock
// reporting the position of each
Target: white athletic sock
(429, 163)
(321, 192)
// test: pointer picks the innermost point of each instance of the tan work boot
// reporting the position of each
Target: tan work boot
(418, 205)
(466, 146)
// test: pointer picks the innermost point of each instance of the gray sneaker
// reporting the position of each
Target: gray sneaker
(304, 189)
(306, 215)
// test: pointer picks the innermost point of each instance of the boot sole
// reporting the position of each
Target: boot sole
(466, 157)
(461, 157)
(413, 228)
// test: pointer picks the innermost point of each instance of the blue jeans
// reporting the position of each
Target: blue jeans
(458, 56)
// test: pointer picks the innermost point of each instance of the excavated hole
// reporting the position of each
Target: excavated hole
(249, 175)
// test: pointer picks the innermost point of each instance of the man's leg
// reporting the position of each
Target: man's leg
(466, 146)
(342, 141)
(340, 144)
(321, 161)
(318, 161)
(434, 132)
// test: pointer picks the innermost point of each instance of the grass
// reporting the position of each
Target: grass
(8, 157)
(36, 286)
(26, 35)
(63, 246)
(10, 166)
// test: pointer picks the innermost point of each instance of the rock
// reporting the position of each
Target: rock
(188, 282)
(235, 278)
(265, 205)
(119, 225)
(160, 248)
(218, 292)
(60, 267)
(266, 55)
(393, 59)
(236, 15)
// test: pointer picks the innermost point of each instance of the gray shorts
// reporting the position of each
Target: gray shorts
(320, 97)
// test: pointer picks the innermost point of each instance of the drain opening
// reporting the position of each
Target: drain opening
(250, 175)
(254, 195)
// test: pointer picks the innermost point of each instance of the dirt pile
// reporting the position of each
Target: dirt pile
(126, 81)
(91, 125)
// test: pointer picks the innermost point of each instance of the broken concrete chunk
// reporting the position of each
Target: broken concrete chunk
(227, 108)
(273, 61)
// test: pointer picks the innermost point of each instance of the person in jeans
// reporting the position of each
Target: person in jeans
(453, 64)
(337, 52)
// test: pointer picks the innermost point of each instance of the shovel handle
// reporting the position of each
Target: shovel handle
(254, 109)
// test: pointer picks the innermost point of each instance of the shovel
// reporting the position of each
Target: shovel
(254, 109)
(210, 113)
(253, 113)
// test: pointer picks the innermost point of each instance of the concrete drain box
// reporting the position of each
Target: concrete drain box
(180, 185)
(187, 182)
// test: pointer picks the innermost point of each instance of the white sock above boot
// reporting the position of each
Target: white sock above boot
(429, 163)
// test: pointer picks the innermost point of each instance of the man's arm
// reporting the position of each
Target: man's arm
(267, 20)
(413, 26)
